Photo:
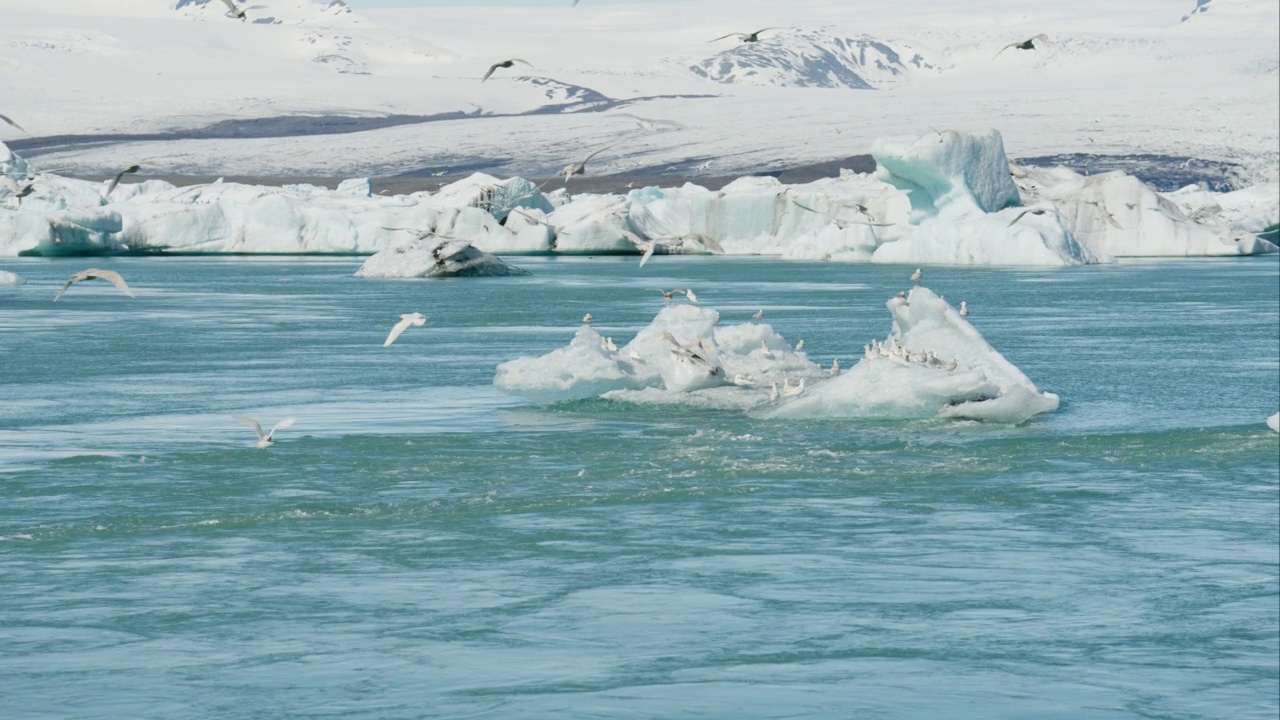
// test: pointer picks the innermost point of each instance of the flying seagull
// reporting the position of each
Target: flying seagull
(580, 168)
(94, 273)
(237, 13)
(407, 320)
(1030, 211)
(746, 37)
(504, 64)
(651, 125)
(116, 180)
(1028, 44)
(264, 440)
(8, 121)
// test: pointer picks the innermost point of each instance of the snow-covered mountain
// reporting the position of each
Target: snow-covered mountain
(814, 59)
(273, 12)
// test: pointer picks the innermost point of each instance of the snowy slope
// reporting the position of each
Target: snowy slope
(1115, 79)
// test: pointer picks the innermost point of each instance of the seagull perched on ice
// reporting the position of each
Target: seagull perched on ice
(7, 121)
(264, 440)
(92, 274)
(745, 37)
(800, 345)
(964, 309)
(504, 64)
(587, 319)
(1028, 44)
(835, 367)
(608, 345)
(119, 176)
(915, 276)
(741, 380)
(789, 390)
(236, 13)
(406, 321)
(688, 293)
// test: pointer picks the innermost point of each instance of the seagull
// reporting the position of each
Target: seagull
(773, 392)
(651, 125)
(1028, 44)
(800, 345)
(789, 390)
(8, 121)
(835, 367)
(915, 276)
(504, 64)
(587, 319)
(94, 273)
(705, 165)
(745, 37)
(690, 296)
(264, 440)
(759, 314)
(764, 350)
(409, 319)
(236, 13)
(127, 171)
(580, 168)
(1030, 211)
(741, 380)
(608, 345)
(964, 309)
(667, 295)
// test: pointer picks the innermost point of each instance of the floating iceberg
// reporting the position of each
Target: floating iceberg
(8, 278)
(434, 256)
(949, 198)
(933, 364)
(1273, 422)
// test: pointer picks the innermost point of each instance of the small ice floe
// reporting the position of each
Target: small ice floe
(933, 364)
(1273, 422)
(434, 256)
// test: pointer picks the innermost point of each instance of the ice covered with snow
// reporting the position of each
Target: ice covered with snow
(9, 278)
(948, 198)
(933, 364)
(434, 256)
(1273, 422)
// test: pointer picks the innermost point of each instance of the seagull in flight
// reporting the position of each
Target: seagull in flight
(651, 125)
(1031, 211)
(1028, 44)
(95, 274)
(237, 13)
(745, 37)
(504, 64)
(580, 168)
(407, 320)
(8, 121)
(120, 175)
(264, 440)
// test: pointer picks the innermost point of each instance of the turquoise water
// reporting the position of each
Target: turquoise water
(421, 545)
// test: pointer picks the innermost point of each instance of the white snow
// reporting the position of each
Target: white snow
(8, 278)
(964, 378)
(1115, 78)
(433, 256)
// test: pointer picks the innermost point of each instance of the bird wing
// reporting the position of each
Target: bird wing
(1006, 47)
(73, 279)
(597, 152)
(253, 424)
(1019, 217)
(648, 253)
(232, 7)
(114, 278)
(526, 62)
(286, 423)
(492, 68)
(397, 330)
(722, 37)
(763, 29)
(8, 121)
(1041, 37)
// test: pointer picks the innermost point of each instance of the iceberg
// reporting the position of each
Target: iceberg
(933, 364)
(8, 278)
(1273, 422)
(434, 256)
